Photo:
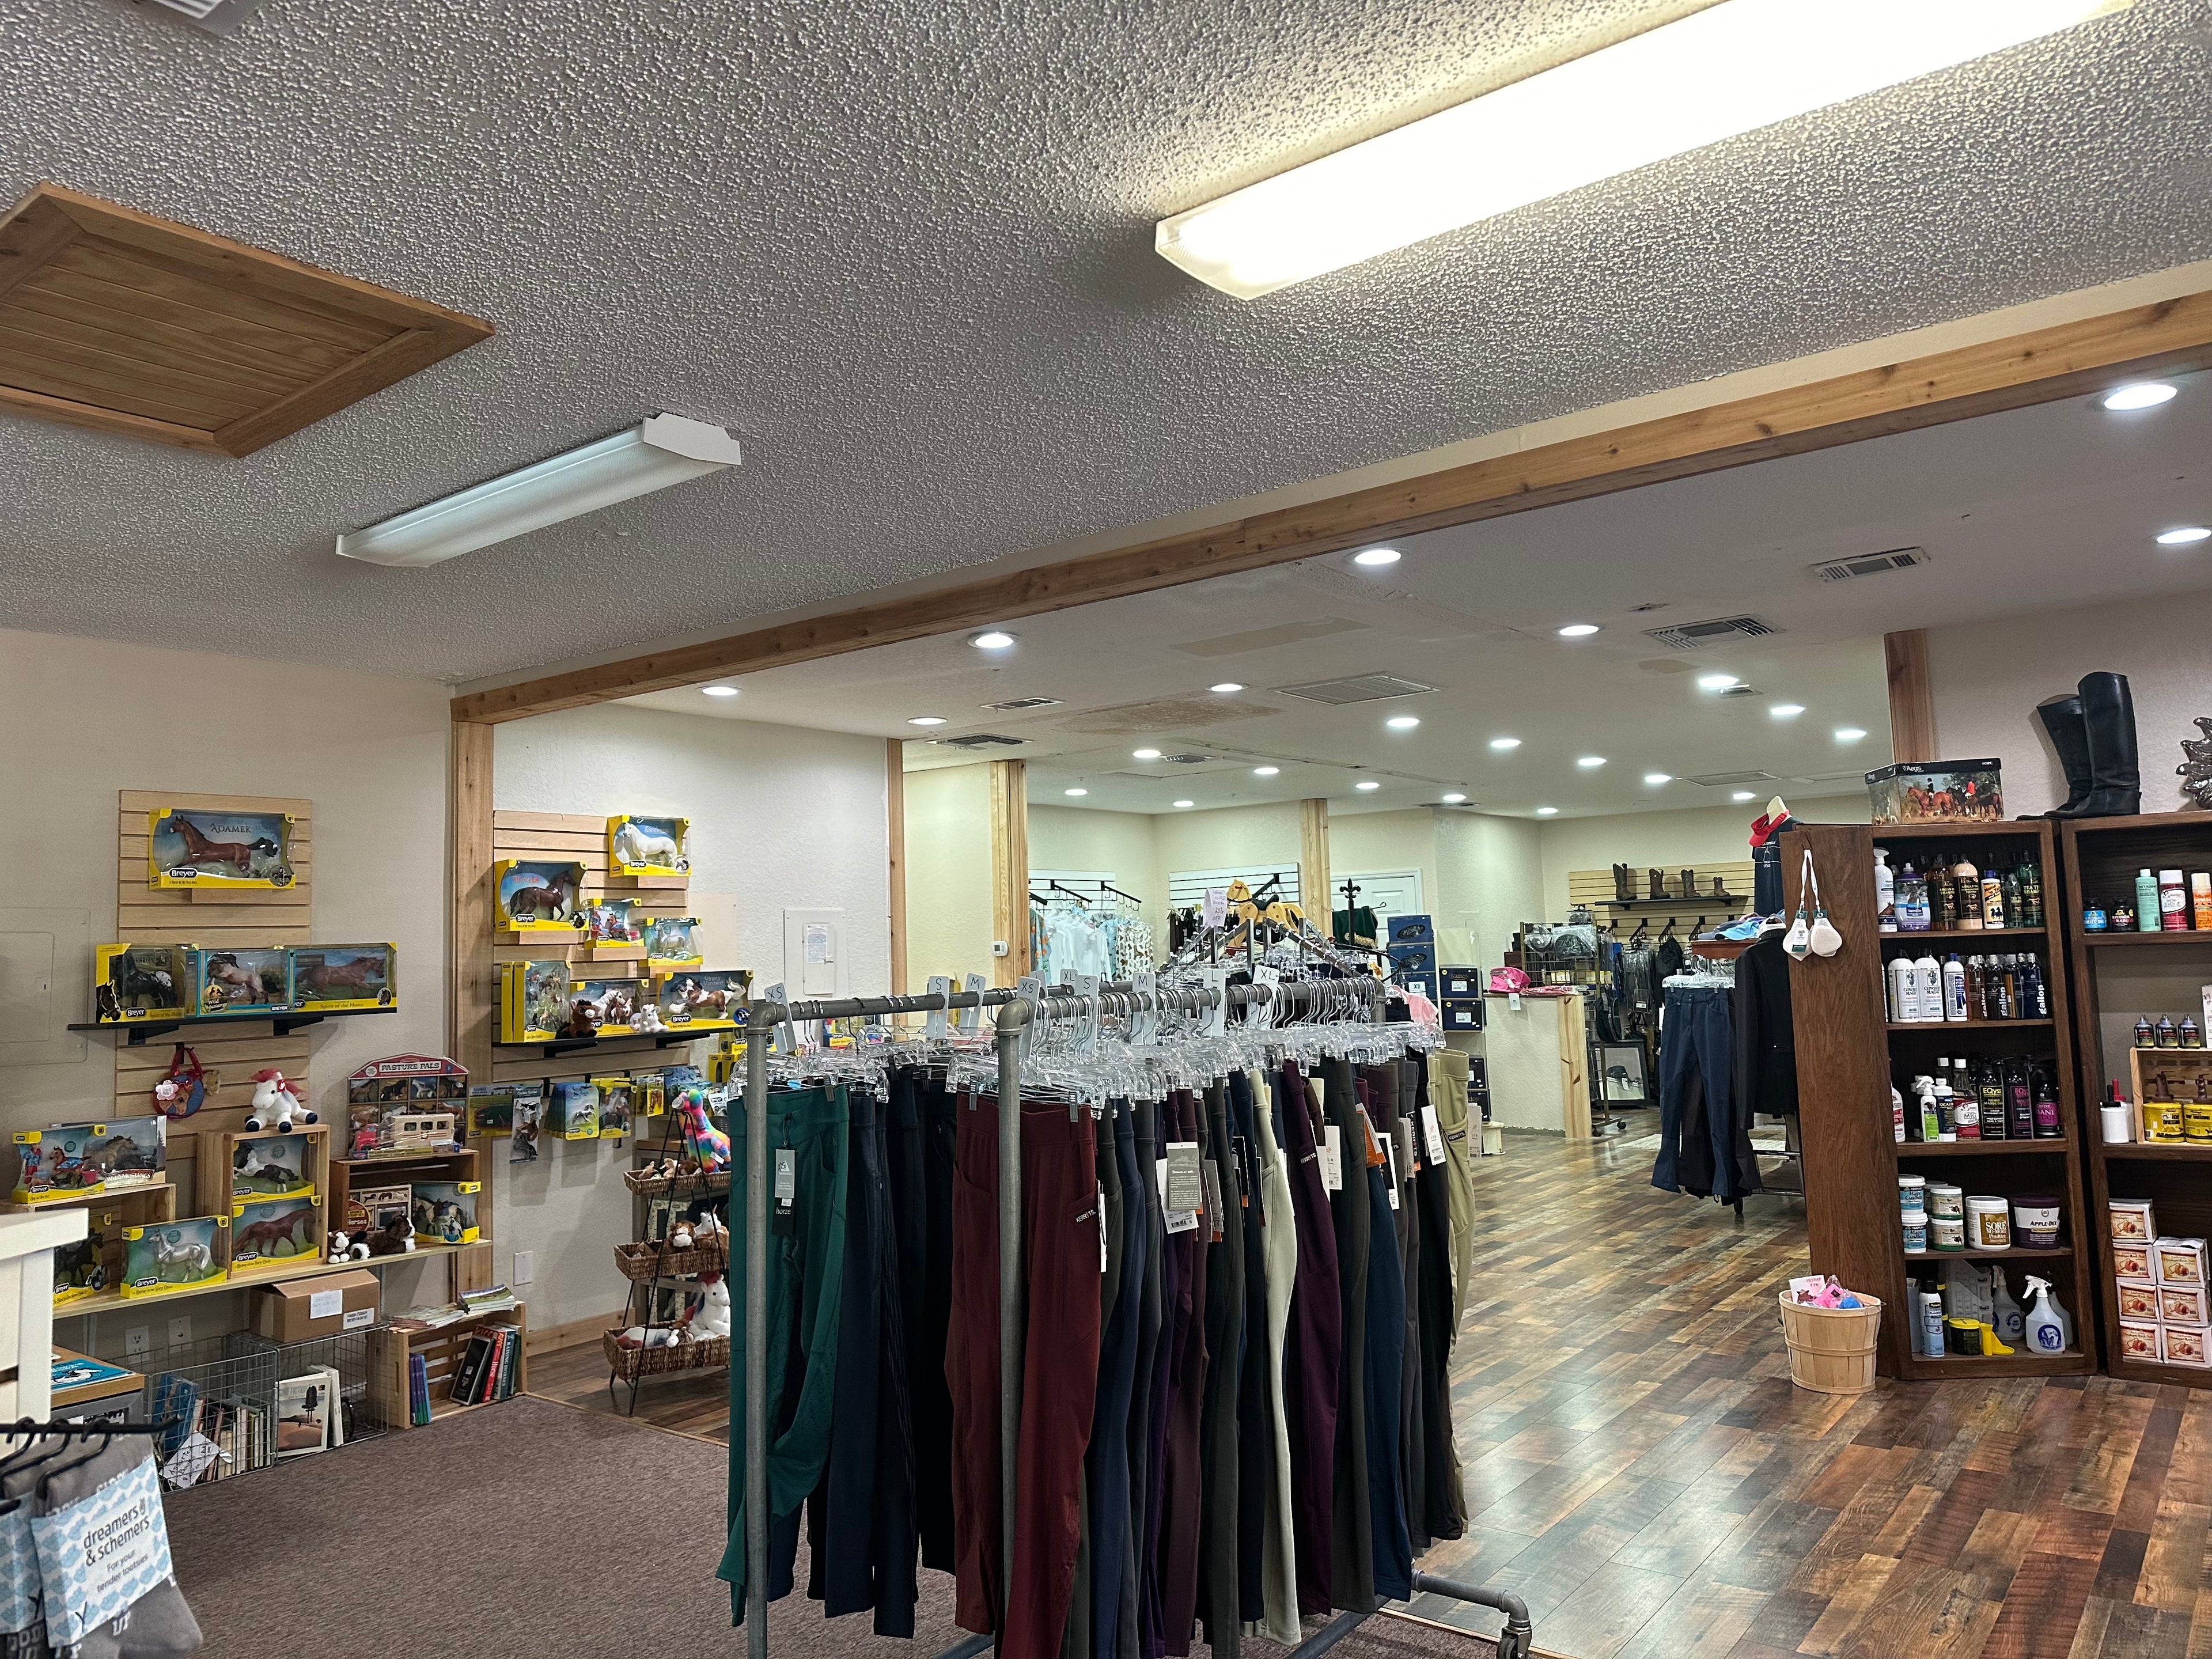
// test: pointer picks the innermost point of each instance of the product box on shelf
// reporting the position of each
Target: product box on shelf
(426, 1093)
(2131, 1262)
(305, 1310)
(1416, 958)
(2139, 1341)
(271, 1166)
(372, 1209)
(617, 1105)
(638, 845)
(605, 1007)
(573, 1110)
(2182, 1344)
(141, 981)
(2182, 1305)
(193, 848)
(539, 896)
(707, 999)
(82, 1266)
(1458, 984)
(491, 1109)
(2131, 1220)
(445, 1211)
(2137, 1301)
(1408, 930)
(1936, 791)
(533, 1001)
(611, 932)
(2178, 1261)
(329, 978)
(268, 1231)
(672, 943)
(175, 1256)
(241, 980)
(1462, 1016)
(75, 1160)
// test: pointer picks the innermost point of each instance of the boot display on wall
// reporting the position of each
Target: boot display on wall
(1624, 883)
(2108, 725)
(1658, 883)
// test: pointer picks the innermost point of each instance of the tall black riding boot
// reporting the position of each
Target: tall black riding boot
(2069, 735)
(2108, 713)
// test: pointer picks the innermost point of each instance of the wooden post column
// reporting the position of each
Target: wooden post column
(895, 840)
(1313, 862)
(1010, 868)
(1912, 698)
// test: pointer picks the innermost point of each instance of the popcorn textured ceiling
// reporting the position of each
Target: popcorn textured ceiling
(904, 251)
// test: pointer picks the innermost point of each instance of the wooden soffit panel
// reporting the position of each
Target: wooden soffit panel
(118, 321)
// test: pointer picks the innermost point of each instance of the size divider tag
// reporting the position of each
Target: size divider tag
(940, 985)
(1217, 1018)
(1031, 987)
(1332, 1158)
(1086, 986)
(1215, 1204)
(1267, 976)
(1145, 1023)
(785, 1188)
(1432, 1135)
(786, 1034)
(971, 1019)
(1185, 1189)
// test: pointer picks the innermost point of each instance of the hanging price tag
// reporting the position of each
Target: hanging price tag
(1432, 1135)
(786, 1189)
(1332, 1158)
(1186, 1190)
(971, 1019)
(1215, 911)
(1145, 1023)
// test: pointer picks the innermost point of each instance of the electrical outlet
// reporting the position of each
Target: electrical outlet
(180, 1331)
(138, 1341)
(525, 1264)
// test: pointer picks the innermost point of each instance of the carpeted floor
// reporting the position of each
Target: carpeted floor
(527, 1530)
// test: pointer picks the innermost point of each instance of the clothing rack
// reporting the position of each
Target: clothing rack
(1016, 1012)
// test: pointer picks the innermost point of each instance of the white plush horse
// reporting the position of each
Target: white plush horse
(636, 845)
(712, 1319)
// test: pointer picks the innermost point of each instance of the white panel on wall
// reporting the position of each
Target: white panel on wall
(814, 957)
(39, 993)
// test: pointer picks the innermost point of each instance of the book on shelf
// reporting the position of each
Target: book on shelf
(418, 1390)
(471, 1370)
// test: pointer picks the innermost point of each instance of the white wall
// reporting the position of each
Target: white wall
(1988, 678)
(948, 873)
(779, 816)
(1069, 838)
(1404, 840)
(1688, 839)
(1226, 836)
(1490, 880)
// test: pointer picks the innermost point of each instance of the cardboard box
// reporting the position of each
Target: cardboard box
(2139, 1341)
(2183, 1304)
(2182, 1344)
(2178, 1261)
(2131, 1219)
(1936, 791)
(2131, 1262)
(2136, 1302)
(308, 1308)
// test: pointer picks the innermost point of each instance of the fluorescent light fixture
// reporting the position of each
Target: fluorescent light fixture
(1740, 794)
(1185, 803)
(665, 450)
(1225, 687)
(1504, 743)
(1655, 779)
(718, 690)
(1367, 783)
(1075, 791)
(1265, 771)
(1717, 682)
(1590, 762)
(1402, 722)
(1785, 711)
(1454, 798)
(2183, 535)
(1144, 754)
(1850, 734)
(1578, 630)
(1732, 68)
(1375, 557)
(926, 719)
(1548, 812)
(2139, 394)
(996, 639)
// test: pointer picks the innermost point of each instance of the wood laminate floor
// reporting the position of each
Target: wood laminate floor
(1639, 1468)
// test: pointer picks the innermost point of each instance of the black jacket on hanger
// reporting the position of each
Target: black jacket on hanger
(1765, 1076)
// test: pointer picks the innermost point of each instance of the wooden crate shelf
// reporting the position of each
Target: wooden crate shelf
(2101, 856)
(390, 1349)
(1848, 1053)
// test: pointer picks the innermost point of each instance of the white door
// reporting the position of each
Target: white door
(1387, 892)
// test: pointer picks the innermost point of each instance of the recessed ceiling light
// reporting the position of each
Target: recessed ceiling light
(2183, 535)
(1590, 762)
(1505, 742)
(1719, 72)
(1655, 779)
(1786, 711)
(1144, 754)
(1715, 682)
(2139, 394)
(1186, 803)
(996, 639)
(1367, 783)
(1075, 791)
(1548, 812)
(1225, 687)
(1402, 722)
(720, 691)
(1742, 794)
(1578, 631)
(1265, 771)
(1850, 734)
(1454, 798)
(1375, 557)
(926, 719)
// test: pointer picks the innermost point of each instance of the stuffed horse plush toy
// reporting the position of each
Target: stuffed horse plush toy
(277, 1105)
(713, 1318)
(702, 1140)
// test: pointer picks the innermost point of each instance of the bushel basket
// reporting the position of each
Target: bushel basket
(1831, 1349)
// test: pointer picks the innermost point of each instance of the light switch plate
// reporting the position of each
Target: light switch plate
(526, 1265)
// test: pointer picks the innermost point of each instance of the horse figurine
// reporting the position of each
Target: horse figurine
(238, 983)
(636, 845)
(238, 855)
(550, 901)
(170, 1250)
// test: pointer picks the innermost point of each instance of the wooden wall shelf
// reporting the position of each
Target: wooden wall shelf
(2101, 856)
(1848, 1054)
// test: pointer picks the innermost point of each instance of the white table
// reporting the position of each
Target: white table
(27, 1243)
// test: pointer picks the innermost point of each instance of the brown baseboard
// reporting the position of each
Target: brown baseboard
(551, 1339)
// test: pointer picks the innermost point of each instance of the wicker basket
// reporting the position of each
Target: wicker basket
(629, 1364)
(1831, 1349)
(653, 1186)
(654, 1261)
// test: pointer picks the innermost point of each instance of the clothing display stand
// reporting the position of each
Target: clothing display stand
(1015, 1010)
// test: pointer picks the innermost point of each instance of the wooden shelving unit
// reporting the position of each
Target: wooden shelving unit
(1849, 1053)
(2113, 981)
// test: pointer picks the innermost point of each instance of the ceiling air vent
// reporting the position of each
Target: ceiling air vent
(979, 740)
(1015, 705)
(1741, 691)
(1874, 564)
(1689, 636)
(1187, 760)
(216, 16)
(1731, 780)
(1356, 688)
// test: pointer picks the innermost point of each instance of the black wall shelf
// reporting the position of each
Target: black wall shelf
(285, 1021)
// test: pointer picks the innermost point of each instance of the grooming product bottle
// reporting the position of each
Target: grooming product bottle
(2030, 894)
(1967, 895)
(2123, 915)
(2146, 1033)
(1989, 1089)
(2173, 903)
(1954, 988)
(1992, 899)
(2200, 898)
(1928, 983)
(2047, 1107)
(1903, 992)
(1930, 1303)
(2163, 1034)
(1885, 892)
(2093, 919)
(1946, 911)
(1932, 1127)
(2147, 920)
(1896, 1114)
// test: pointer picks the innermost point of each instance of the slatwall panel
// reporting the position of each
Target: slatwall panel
(571, 835)
(1594, 888)
(268, 917)
(1188, 886)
